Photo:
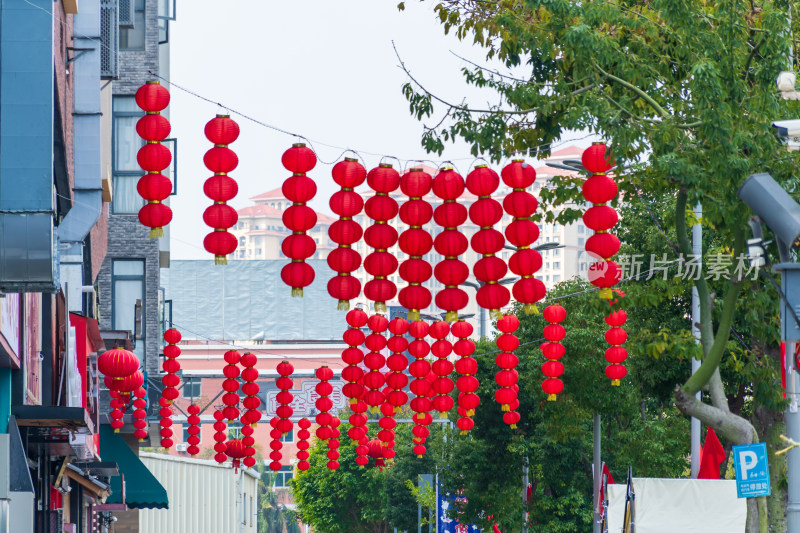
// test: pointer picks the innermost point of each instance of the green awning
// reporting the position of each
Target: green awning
(142, 489)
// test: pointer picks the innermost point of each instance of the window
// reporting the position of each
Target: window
(126, 143)
(556, 278)
(580, 228)
(557, 252)
(191, 387)
(127, 286)
(283, 476)
(133, 38)
(289, 437)
(581, 241)
(186, 432)
(556, 264)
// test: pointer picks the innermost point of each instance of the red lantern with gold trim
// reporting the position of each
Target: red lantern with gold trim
(220, 436)
(442, 385)
(221, 131)
(507, 376)
(284, 397)
(352, 356)
(381, 236)
(448, 185)
(415, 241)
(467, 383)
(616, 354)
(374, 360)
(251, 413)
(553, 350)
(303, 435)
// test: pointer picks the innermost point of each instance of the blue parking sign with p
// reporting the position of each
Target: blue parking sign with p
(752, 470)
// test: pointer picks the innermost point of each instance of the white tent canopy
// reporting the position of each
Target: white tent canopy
(684, 505)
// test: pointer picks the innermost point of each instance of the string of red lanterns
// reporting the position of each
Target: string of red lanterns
(231, 385)
(251, 402)
(236, 450)
(284, 397)
(352, 356)
(507, 376)
(302, 444)
(553, 350)
(153, 157)
(616, 354)
(397, 363)
(165, 412)
(467, 383)
(415, 242)
(248, 442)
(171, 365)
(419, 369)
(485, 212)
(374, 380)
(448, 185)
(442, 385)
(116, 365)
(381, 236)
(221, 188)
(116, 413)
(324, 404)
(299, 217)
(220, 436)
(193, 420)
(522, 232)
(275, 444)
(345, 232)
(140, 415)
(333, 445)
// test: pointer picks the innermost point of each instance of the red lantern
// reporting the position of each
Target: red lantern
(506, 361)
(220, 188)
(352, 356)
(420, 386)
(467, 367)
(381, 236)
(600, 189)
(231, 385)
(171, 366)
(193, 420)
(117, 363)
(220, 436)
(299, 218)
(116, 413)
(154, 157)
(616, 354)
(415, 241)
(442, 385)
(284, 398)
(139, 414)
(522, 232)
(448, 185)
(302, 444)
(553, 350)
(251, 402)
(485, 212)
(374, 380)
(323, 403)
(346, 203)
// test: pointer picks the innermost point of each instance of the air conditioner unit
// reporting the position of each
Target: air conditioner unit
(182, 447)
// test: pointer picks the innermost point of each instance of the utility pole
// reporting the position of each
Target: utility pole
(598, 474)
(697, 251)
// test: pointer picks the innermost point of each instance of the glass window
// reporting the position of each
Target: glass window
(125, 145)
(133, 38)
(289, 437)
(127, 286)
(580, 228)
(581, 241)
(283, 476)
(557, 252)
(191, 387)
(556, 264)
(556, 278)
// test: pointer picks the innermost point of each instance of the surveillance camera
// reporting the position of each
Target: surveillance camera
(773, 205)
(787, 128)
(786, 81)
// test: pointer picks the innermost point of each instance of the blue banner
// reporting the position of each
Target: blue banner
(445, 524)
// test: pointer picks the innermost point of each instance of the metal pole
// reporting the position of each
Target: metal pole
(793, 432)
(697, 251)
(598, 474)
(483, 323)
(525, 495)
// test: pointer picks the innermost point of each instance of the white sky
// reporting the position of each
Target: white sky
(324, 69)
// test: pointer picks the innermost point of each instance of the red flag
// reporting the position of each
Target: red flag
(607, 472)
(713, 454)
(495, 529)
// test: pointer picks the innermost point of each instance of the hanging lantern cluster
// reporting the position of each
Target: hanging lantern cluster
(220, 436)
(251, 402)
(381, 236)
(420, 387)
(359, 430)
(299, 217)
(352, 356)
(193, 420)
(616, 354)
(507, 376)
(485, 212)
(448, 185)
(302, 444)
(376, 451)
(248, 441)
(231, 385)
(221, 188)
(522, 232)
(553, 350)
(324, 404)
(284, 397)
(387, 423)
(154, 157)
(397, 362)
(415, 242)
(333, 444)
(442, 385)
(236, 450)
(165, 412)
(171, 366)
(345, 232)
(599, 189)
(467, 383)
(362, 450)
(275, 444)
(374, 380)
(140, 415)
(119, 368)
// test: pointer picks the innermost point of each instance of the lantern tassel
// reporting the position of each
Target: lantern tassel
(343, 305)
(496, 314)
(513, 426)
(116, 430)
(156, 233)
(413, 315)
(297, 292)
(419, 457)
(451, 316)
(380, 307)
(220, 260)
(463, 432)
(605, 294)
(470, 413)
(442, 414)
(615, 383)
(531, 309)
(551, 397)
(506, 408)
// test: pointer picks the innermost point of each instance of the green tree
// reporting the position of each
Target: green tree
(273, 517)
(684, 93)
